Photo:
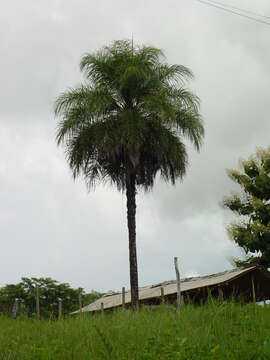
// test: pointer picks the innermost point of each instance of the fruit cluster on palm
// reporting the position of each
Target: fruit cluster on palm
(127, 123)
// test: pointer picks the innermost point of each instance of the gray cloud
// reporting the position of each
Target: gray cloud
(51, 226)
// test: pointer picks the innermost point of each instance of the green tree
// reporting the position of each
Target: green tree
(127, 122)
(49, 292)
(88, 298)
(252, 231)
(8, 294)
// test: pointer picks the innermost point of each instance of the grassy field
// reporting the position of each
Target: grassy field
(213, 331)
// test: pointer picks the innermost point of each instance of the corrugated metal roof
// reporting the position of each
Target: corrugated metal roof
(114, 300)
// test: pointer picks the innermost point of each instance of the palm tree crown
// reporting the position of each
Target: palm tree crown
(130, 116)
(127, 121)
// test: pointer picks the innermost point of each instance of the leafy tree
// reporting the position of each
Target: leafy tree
(252, 231)
(8, 294)
(49, 292)
(126, 123)
(90, 297)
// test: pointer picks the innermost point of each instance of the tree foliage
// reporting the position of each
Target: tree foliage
(49, 292)
(129, 116)
(252, 231)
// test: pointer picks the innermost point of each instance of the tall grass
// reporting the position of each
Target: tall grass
(213, 331)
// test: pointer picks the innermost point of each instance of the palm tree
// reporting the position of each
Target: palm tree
(126, 123)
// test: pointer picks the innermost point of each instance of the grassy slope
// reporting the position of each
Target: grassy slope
(225, 331)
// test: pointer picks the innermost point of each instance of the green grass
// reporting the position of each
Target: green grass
(213, 331)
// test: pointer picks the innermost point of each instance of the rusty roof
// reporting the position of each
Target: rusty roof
(112, 300)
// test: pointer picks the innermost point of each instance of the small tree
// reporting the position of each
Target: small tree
(252, 231)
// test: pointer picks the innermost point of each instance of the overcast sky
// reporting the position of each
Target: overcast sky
(49, 224)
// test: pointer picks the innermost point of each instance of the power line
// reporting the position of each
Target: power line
(240, 9)
(227, 9)
(233, 12)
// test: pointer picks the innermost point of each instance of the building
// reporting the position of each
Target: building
(244, 284)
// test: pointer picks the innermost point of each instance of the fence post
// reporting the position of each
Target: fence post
(253, 289)
(123, 297)
(178, 283)
(162, 295)
(182, 300)
(80, 299)
(37, 303)
(59, 308)
(15, 309)
(102, 308)
(220, 294)
(21, 306)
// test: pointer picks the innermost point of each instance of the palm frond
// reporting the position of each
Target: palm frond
(81, 107)
(174, 73)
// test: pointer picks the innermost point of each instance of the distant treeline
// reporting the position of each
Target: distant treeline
(50, 291)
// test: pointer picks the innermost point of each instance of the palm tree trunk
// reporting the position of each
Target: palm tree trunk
(131, 220)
